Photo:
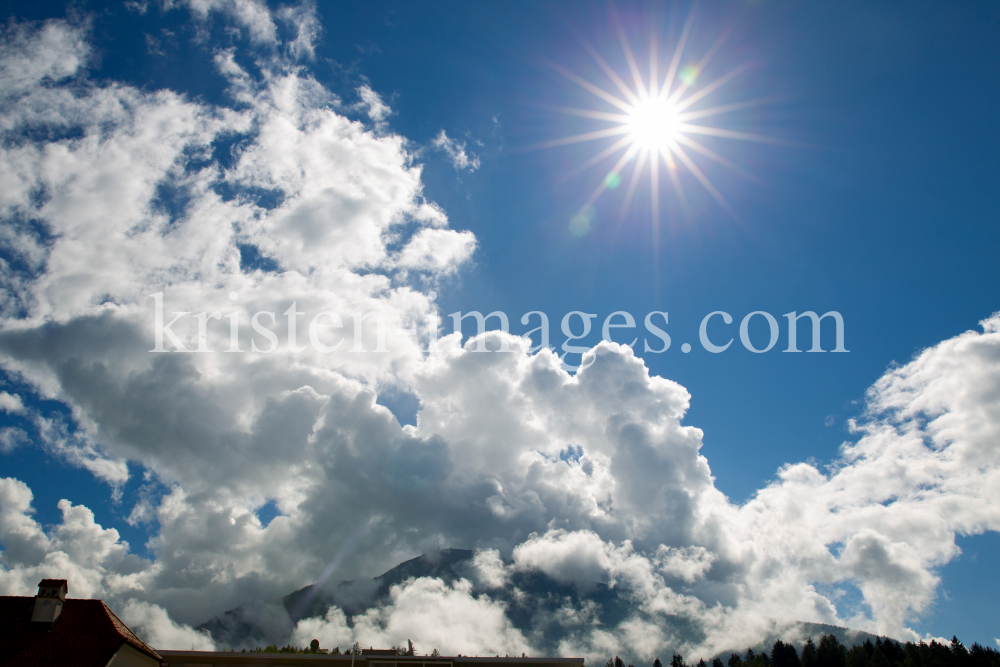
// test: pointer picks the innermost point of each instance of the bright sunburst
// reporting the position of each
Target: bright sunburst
(652, 125)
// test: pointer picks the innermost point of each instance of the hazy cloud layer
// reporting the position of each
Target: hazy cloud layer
(284, 203)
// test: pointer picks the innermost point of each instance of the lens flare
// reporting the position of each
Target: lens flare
(689, 75)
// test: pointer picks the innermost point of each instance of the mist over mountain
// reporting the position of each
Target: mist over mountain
(546, 610)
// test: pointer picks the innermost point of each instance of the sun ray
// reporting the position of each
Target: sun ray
(596, 115)
(629, 58)
(703, 179)
(654, 182)
(586, 85)
(733, 134)
(640, 164)
(654, 204)
(705, 59)
(577, 138)
(697, 68)
(709, 153)
(675, 179)
(653, 58)
(610, 150)
(724, 108)
(604, 181)
(680, 105)
(718, 159)
(612, 74)
(675, 62)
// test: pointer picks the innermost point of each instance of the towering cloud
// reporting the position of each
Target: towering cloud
(116, 200)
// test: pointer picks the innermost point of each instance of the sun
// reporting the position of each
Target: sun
(654, 122)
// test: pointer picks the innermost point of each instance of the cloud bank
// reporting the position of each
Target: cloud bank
(285, 201)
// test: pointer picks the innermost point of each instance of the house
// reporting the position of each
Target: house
(50, 630)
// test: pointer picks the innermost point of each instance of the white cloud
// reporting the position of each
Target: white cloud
(489, 569)
(440, 251)
(23, 539)
(378, 111)
(11, 403)
(338, 211)
(455, 150)
(332, 631)
(448, 618)
(579, 556)
(251, 15)
(51, 51)
(155, 627)
(12, 437)
(338, 194)
(302, 17)
(80, 450)
(433, 614)
(94, 559)
(687, 563)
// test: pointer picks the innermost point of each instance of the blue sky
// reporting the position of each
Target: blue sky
(875, 199)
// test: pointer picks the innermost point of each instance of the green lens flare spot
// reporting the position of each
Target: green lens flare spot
(612, 180)
(579, 226)
(689, 75)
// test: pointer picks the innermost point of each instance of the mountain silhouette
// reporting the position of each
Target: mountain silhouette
(532, 598)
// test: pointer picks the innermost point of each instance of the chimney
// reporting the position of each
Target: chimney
(49, 601)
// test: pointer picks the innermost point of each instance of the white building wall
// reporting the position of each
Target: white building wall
(129, 657)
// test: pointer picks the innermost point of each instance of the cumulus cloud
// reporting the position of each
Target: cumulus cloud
(448, 617)
(445, 617)
(489, 570)
(687, 563)
(156, 628)
(31, 55)
(332, 630)
(12, 437)
(455, 150)
(590, 479)
(577, 556)
(94, 559)
(321, 197)
(11, 403)
(439, 251)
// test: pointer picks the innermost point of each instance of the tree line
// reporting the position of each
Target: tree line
(831, 653)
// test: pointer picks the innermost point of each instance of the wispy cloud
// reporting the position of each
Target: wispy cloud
(456, 152)
(377, 110)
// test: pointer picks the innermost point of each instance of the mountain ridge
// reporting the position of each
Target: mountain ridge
(272, 622)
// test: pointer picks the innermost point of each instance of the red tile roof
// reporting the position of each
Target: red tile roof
(86, 634)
